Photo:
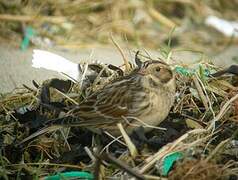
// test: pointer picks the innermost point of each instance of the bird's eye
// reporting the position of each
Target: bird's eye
(157, 69)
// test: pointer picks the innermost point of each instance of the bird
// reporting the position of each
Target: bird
(144, 96)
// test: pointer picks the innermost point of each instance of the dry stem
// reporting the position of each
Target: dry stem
(25, 18)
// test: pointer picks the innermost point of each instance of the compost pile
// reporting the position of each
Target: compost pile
(200, 140)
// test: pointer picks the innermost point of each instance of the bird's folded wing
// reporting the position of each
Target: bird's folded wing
(95, 112)
(106, 107)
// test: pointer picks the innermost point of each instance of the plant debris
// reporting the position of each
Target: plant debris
(78, 24)
(201, 128)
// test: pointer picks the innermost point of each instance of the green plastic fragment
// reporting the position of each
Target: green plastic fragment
(207, 72)
(168, 162)
(29, 33)
(71, 175)
(204, 72)
(184, 71)
(189, 72)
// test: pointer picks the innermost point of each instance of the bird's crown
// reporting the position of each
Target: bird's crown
(158, 70)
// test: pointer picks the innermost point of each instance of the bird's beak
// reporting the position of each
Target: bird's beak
(142, 72)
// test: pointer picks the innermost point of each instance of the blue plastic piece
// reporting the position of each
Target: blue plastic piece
(71, 175)
(168, 162)
(29, 33)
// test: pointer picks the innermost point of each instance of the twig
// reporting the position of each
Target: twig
(152, 177)
(67, 97)
(98, 166)
(166, 149)
(96, 173)
(206, 95)
(65, 138)
(90, 154)
(114, 138)
(143, 124)
(25, 18)
(130, 145)
(83, 75)
(41, 132)
(120, 164)
(85, 70)
(110, 143)
(161, 18)
(46, 164)
(43, 149)
(68, 77)
(127, 66)
(220, 145)
(223, 110)
(200, 92)
(9, 113)
(209, 142)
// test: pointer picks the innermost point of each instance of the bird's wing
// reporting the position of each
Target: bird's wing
(106, 107)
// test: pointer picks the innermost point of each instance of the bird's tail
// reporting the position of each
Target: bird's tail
(54, 62)
(65, 121)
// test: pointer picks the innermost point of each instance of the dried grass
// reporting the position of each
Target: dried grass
(208, 149)
(79, 23)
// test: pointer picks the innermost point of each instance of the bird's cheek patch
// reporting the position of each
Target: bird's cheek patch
(165, 75)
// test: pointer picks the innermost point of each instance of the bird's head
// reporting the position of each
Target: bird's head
(157, 72)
